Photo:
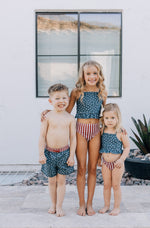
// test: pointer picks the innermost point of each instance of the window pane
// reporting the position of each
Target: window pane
(111, 71)
(58, 48)
(53, 70)
(100, 32)
(57, 34)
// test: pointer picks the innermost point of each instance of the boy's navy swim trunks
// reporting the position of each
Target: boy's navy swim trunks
(56, 163)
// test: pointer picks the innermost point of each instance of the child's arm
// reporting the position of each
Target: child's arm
(72, 128)
(104, 99)
(43, 115)
(99, 160)
(42, 141)
(126, 146)
(72, 100)
(100, 155)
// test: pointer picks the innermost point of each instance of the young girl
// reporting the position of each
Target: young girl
(113, 157)
(89, 95)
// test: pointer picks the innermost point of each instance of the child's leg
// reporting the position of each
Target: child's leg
(61, 187)
(116, 180)
(107, 176)
(52, 191)
(81, 153)
(94, 146)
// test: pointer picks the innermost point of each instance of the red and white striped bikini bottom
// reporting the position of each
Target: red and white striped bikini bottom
(109, 165)
(88, 131)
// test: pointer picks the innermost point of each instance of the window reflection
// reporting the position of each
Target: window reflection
(53, 70)
(101, 34)
(57, 34)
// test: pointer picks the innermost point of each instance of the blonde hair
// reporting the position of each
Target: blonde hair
(115, 108)
(58, 88)
(100, 84)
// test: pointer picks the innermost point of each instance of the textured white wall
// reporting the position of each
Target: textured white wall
(20, 110)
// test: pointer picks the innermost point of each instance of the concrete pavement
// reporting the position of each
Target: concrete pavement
(27, 206)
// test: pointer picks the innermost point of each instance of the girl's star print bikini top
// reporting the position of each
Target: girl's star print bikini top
(110, 144)
(89, 107)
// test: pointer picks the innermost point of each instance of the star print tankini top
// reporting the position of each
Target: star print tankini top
(89, 107)
(110, 144)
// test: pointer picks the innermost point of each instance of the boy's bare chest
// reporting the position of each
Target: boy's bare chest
(59, 122)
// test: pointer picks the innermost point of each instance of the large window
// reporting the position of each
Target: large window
(65, 40)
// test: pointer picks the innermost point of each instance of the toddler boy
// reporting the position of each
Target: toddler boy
(58, 130)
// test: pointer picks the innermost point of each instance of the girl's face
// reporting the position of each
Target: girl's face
(110, 119)
(91, 75)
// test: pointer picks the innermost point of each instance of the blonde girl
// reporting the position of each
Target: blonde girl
(113, 157)
(89, 95)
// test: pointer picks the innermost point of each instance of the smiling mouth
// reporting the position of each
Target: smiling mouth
(92, 80)
(61, 105)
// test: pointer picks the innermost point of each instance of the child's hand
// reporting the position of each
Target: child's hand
(119, 163)
(43, 115)
(123, 131)
(99, 161)
(42, 159)
(70, 161)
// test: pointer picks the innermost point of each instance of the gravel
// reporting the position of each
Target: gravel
(40, 179)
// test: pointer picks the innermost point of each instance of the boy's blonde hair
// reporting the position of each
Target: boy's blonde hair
(57, 88)
(115, 108)
(100, 84)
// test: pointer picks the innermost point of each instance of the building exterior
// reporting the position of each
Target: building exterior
(20, 109)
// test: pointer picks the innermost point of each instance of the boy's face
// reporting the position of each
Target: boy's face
(59, 100)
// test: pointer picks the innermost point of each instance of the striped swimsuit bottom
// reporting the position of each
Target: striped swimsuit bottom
(88, 131)
(109, 165)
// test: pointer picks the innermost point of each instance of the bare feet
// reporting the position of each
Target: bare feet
(59, 212)
(90, 211)
(115, 211)
(81, 211)
(52, 210)
(104, 210)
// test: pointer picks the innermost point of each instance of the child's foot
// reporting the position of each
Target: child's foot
(115, 211)
(59, 212)
(104, 210)
(81, 211)
(90, 211)
(52, 210)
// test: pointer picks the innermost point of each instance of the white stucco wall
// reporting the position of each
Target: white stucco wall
(20, 109)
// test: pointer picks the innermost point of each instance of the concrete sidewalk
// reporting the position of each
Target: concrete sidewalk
(27, 206)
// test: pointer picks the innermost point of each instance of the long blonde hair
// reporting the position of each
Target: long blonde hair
(81, 81)
(115, 108)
